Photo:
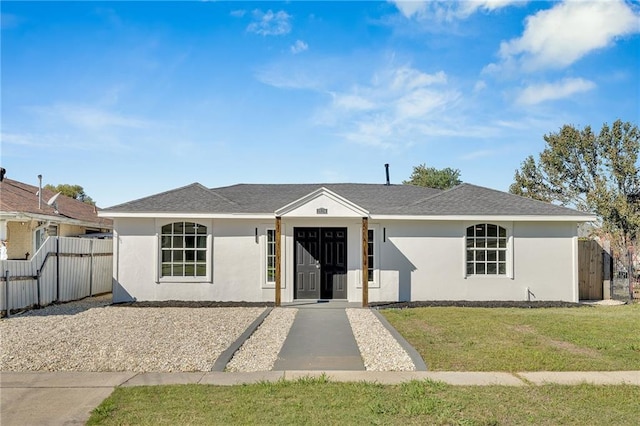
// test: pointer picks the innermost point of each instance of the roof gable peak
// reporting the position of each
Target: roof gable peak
(322, 201)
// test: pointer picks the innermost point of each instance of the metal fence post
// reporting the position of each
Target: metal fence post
(91, 258)
(6, 293)
(57, 269)
(38, 284)
(630, 273)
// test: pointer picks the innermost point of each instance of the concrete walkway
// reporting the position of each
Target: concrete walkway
(320, 339)
(67, 398)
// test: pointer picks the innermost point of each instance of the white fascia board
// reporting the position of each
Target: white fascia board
(18, 216)
(509, 218)
(282, 211)
(10, 215)
(186, 215)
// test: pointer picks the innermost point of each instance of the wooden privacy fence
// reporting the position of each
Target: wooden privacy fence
(590, 270)
(63, 269)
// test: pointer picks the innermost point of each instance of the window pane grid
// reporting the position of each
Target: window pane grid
(370, 255)
(271, 255)
(184, 250)
(486, 250)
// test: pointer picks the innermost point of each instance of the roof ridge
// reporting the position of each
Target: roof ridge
(319, 184)
(222, 197)
(429, 197)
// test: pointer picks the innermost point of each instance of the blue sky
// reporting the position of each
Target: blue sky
(129, 99)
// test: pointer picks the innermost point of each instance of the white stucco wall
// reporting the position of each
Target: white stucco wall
(426, 261)
(418, 260)
(236, 263)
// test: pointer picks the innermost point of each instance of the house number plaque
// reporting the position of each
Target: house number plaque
(322, 210)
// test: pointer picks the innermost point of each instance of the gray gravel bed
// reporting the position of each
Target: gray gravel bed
(380, 351)
(91, 336)
(260, 351)
(68, 308)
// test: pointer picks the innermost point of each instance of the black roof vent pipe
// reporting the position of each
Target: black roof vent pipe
(386, 168)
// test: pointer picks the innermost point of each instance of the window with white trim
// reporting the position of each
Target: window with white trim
(486, 249)
(370, 255)
(271, 256)
(183, 250)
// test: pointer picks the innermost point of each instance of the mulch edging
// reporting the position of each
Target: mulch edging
(375, 305)
(476, 304)
(193, 304)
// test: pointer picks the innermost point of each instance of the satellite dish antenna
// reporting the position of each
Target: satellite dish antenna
(53, 199)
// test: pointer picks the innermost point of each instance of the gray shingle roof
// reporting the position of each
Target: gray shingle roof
(476, 200)
(380, 199)
(193, 198)
(465, 199)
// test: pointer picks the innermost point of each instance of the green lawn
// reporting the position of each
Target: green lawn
(320, 402)
(511, 339)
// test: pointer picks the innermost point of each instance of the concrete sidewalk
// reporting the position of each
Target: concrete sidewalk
(64, 398)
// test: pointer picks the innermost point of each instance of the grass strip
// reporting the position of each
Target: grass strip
(317, 401)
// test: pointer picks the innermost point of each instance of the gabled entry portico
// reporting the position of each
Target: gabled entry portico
(319, 246)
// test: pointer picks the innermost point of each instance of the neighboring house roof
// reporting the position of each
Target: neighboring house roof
(377, 199)
(18, 199)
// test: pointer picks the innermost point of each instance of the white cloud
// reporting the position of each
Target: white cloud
(467, 8)
(421, 102)
(406, 78)
(479, 86)
(18, 139)
(557, 37)
(352, 102)
(80, 126)
(270, 23)
(410, 8)
(538, 93)
(299, 46)
(87, 117)
(288, 78)
(399, 107)
(238, 13)
(446, 10)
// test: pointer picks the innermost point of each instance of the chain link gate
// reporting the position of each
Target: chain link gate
(625, 283)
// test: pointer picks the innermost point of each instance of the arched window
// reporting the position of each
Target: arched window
(184, 250)
(486, 249)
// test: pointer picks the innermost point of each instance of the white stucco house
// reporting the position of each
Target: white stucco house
(356, 242)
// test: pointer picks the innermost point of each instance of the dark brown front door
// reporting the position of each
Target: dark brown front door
(320, 260)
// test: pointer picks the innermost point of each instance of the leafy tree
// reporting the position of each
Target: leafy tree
(598, 173)
(431, 177)
(73, 191)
